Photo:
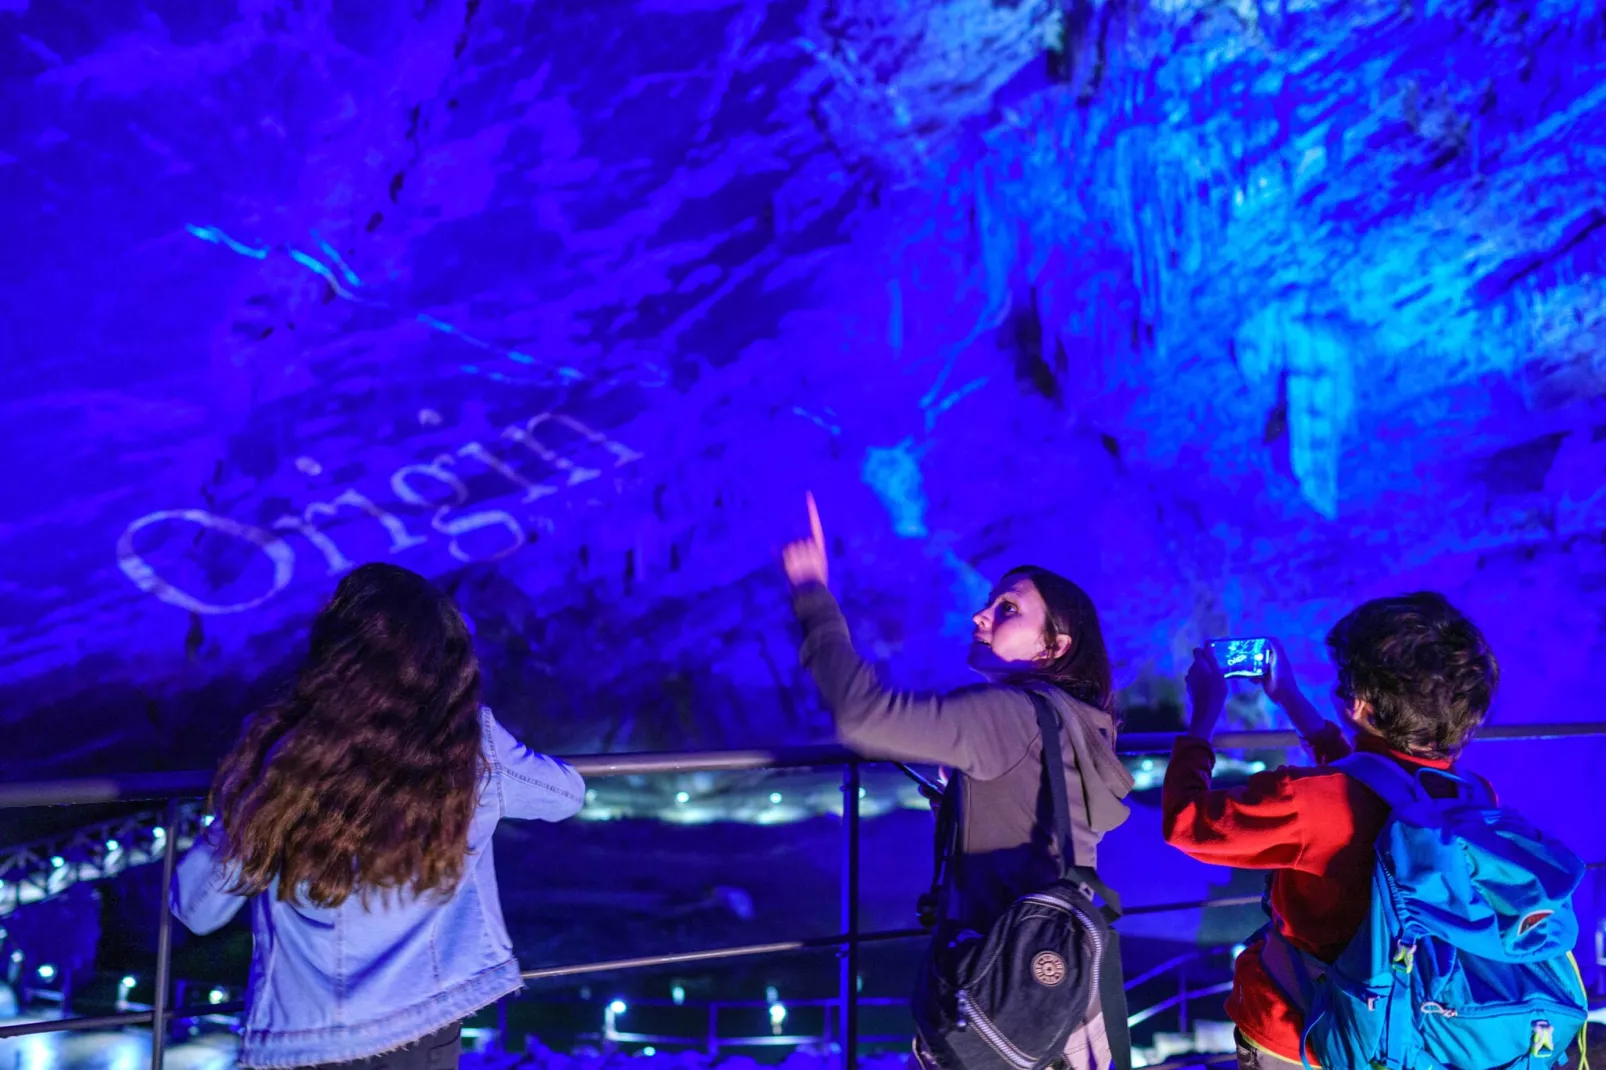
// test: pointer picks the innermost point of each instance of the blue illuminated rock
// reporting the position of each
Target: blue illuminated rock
(1235, 312)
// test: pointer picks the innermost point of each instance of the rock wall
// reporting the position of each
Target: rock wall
(1237, 312)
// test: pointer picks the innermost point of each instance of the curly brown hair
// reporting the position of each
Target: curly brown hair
(1425, 670)
(1083, 671)
(365, 777)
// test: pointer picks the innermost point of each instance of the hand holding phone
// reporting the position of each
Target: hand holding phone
(1243, 657)
(1283, 688)
(1207, 693)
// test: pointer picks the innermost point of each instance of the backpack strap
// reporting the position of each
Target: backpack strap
(1073, 862)
(1292, 969)
(1391, 783)
(1112, 987)
(1296, 972)
(1400, 788)
(1048, 724)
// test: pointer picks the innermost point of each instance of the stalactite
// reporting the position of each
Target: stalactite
(1316, 363)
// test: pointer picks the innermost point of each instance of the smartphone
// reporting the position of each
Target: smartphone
(1242, 657)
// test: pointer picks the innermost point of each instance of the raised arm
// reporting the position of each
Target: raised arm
(1261, 825)
(983, 730)
(1256, 826)
(1324, 738)
(529, 785)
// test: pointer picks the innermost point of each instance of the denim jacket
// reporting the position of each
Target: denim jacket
(343, 983)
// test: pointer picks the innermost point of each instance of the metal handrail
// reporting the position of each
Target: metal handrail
(110, 1021)
(192, 783)
(178, 785)
(1282, 739)
(1181, 997)
(175, 786)
(720, 953)
(612, 1034)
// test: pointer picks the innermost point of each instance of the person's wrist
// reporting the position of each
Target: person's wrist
(1203, 724)
(1292, 699)
(1304, 715)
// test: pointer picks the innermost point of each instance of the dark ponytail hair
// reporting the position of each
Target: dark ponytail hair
(1083, 671)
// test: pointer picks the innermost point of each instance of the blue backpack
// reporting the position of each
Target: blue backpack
(1464, 961)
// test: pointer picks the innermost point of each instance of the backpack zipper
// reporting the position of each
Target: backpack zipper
(1535, 1005)
(969, 1014)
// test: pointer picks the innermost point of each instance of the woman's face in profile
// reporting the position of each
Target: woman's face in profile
(1008, 635)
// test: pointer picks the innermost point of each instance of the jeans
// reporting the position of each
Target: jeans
(438, 1051)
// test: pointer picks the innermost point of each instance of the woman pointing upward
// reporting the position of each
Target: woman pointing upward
(1037, 632)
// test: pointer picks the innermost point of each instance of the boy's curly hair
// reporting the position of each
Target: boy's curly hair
(1425, 669)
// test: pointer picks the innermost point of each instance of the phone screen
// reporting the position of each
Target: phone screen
(1242, 657)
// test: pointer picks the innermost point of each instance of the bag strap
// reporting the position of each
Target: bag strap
(1048, 725)
(1112, 1004)
(1391, 783)
(1112, 987)
(1071, 861)
(947, 834)
(1400, 788)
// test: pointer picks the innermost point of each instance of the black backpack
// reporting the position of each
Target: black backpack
(1010, 998)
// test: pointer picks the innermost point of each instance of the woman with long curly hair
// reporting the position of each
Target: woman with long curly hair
(1038, 633)
(356, 817)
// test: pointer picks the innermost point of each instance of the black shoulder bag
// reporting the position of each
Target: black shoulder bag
(1010, 998)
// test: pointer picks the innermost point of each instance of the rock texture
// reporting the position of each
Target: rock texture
(1236, 311)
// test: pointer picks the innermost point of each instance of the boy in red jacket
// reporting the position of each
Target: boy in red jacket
(1414, 681)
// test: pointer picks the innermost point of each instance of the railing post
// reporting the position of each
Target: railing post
(848, 957)
(1597, 875)
(1182, 999)
(164, 937)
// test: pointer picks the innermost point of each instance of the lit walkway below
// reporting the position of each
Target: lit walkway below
(111, 1049)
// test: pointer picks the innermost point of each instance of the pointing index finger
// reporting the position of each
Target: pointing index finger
(815, 530)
